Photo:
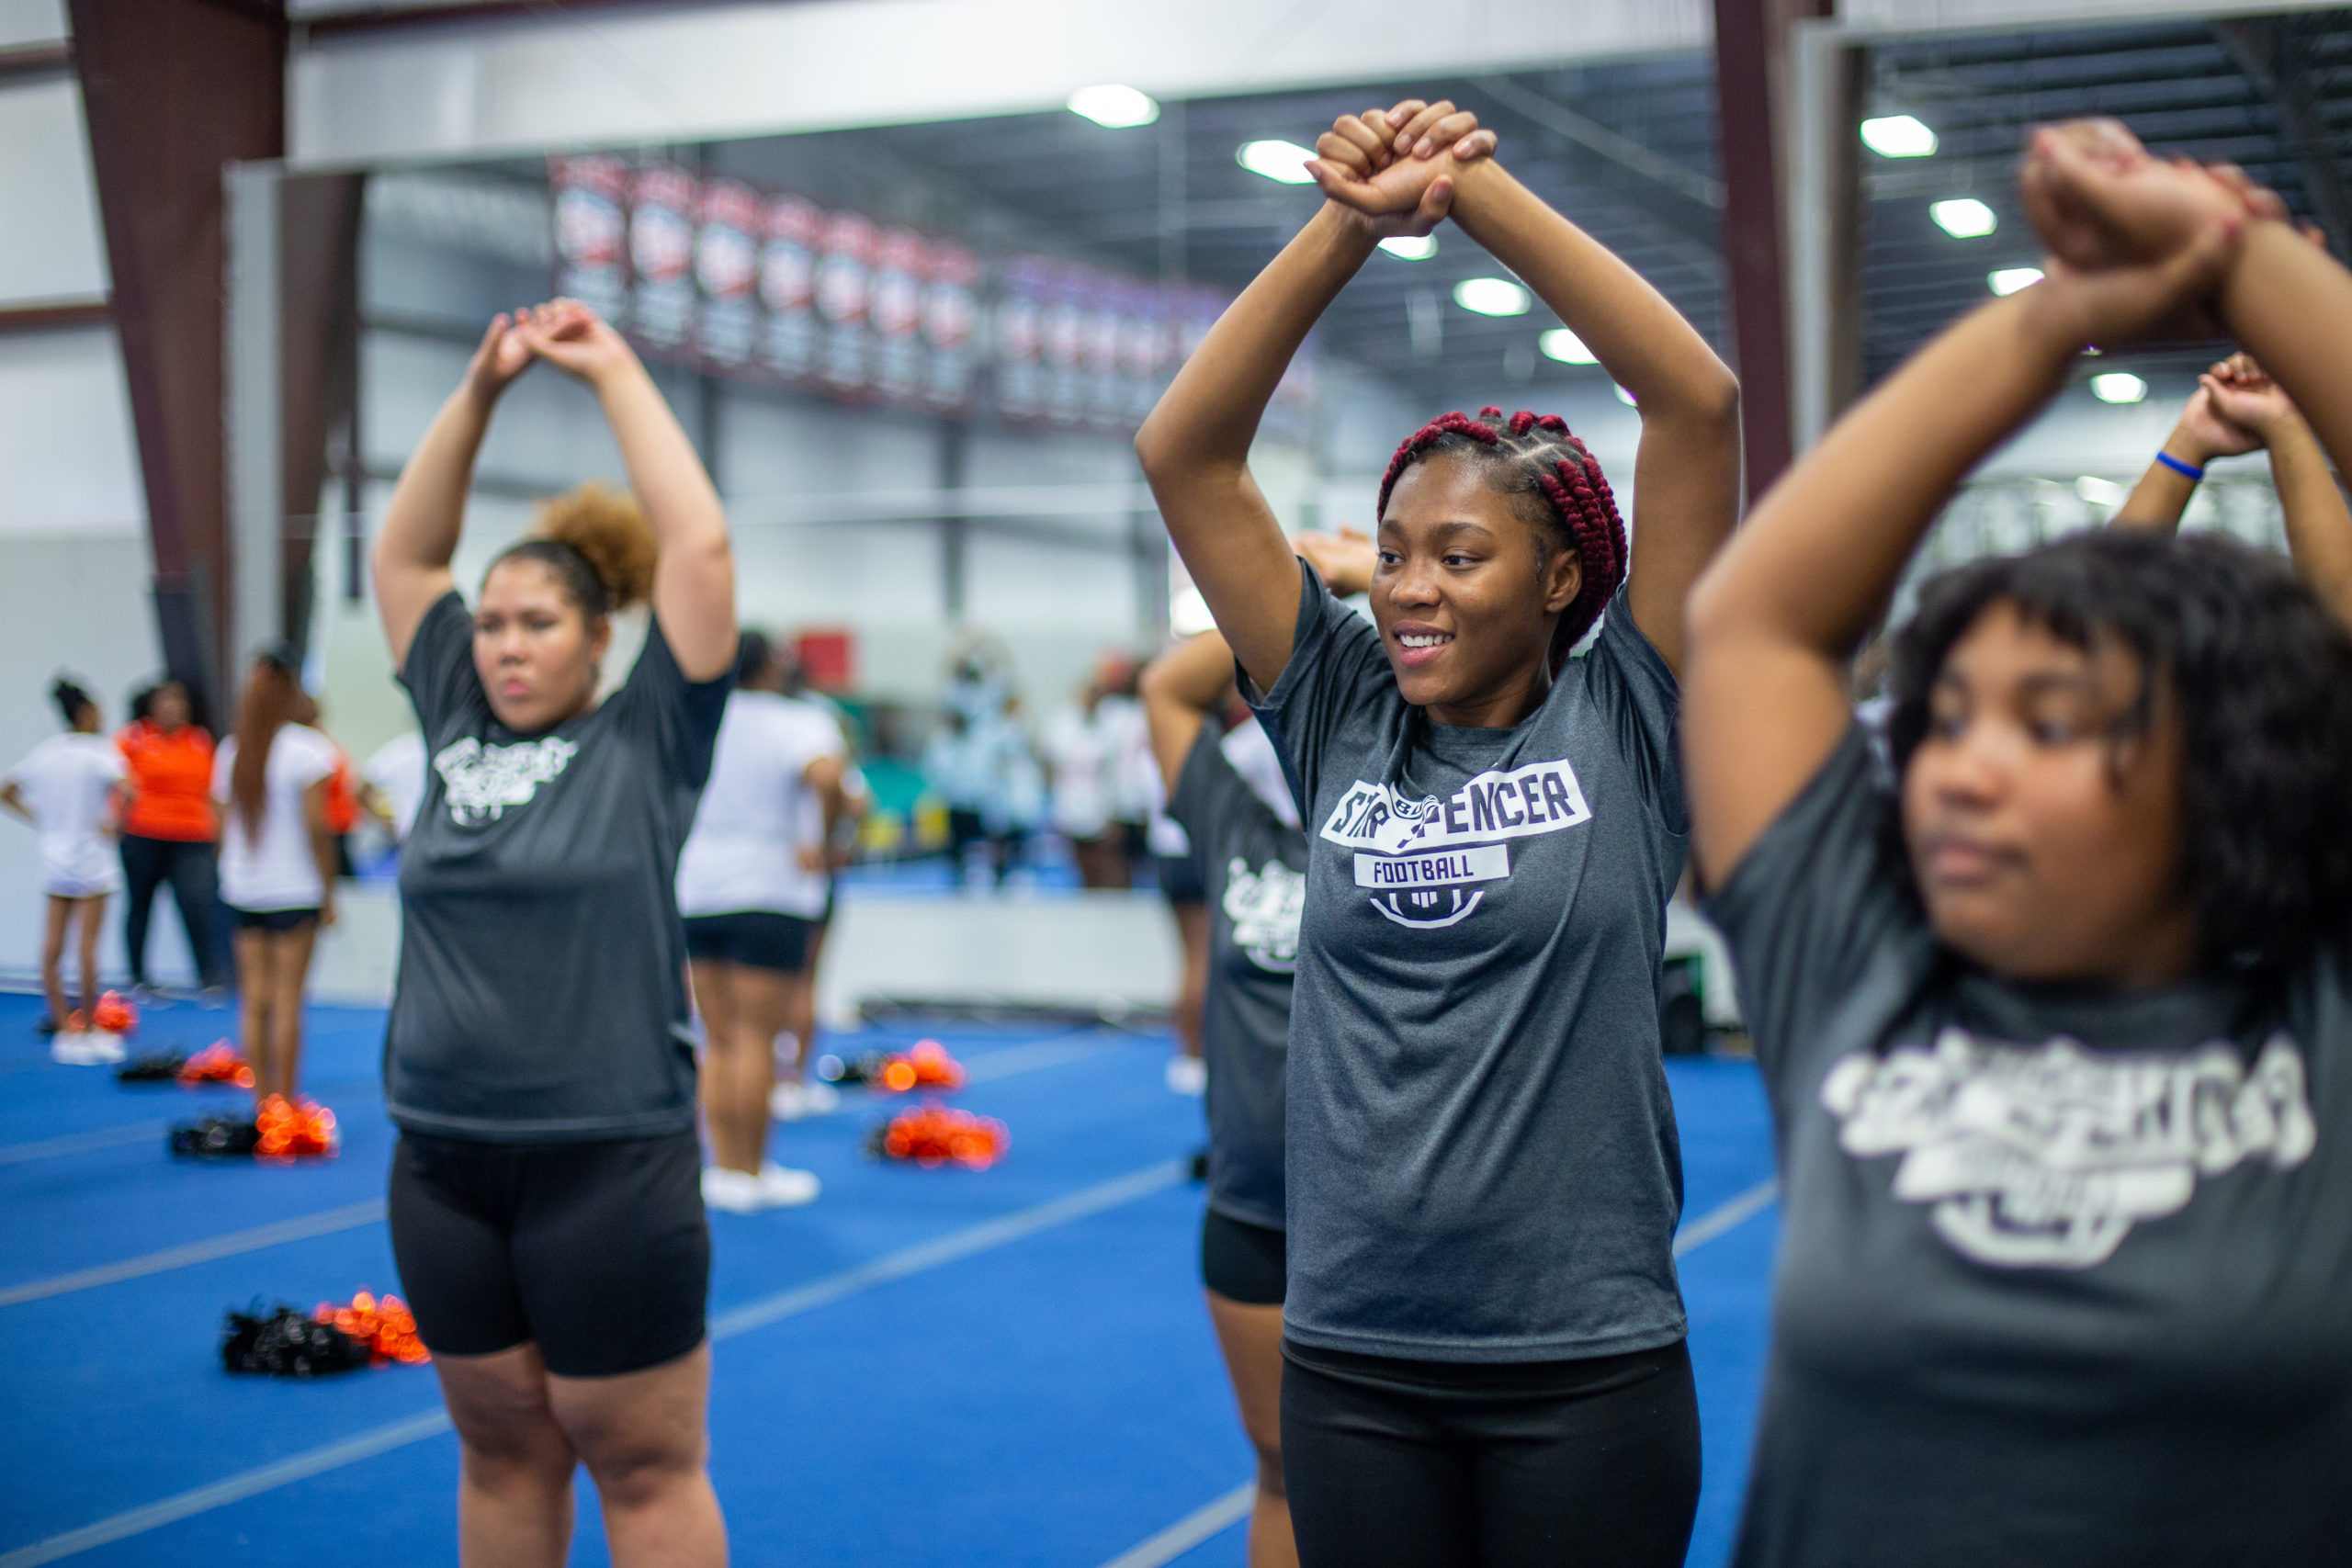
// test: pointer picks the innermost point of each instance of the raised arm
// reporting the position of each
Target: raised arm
(322, 836)
(2202, 436)
(693, 577)
(1686, 471)
(1775, 618)
(1181, 689)
(1195, 446)
(427, 511)
(2318, 526)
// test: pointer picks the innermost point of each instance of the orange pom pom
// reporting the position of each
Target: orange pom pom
(931, 1135)
(218, 1062)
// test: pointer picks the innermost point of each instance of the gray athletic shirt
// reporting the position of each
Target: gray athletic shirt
(541, 997)
(2065, 1276)
(1483, 1162)
(1253, 865)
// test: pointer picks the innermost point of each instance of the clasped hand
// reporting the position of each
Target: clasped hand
(2137, 245)
(1396, 167)
(564, 332)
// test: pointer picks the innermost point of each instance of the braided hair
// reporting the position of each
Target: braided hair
(1552, 482)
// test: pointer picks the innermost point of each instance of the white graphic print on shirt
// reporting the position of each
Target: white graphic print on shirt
(484, 780)
(1415, 856)
(2046, 1158)
(1265, 907)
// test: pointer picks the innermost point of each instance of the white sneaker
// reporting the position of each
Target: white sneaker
(104, 1046)
(1188, 1074)
(788, 1101)
(819, 1099)
(75, 1050)
(737, 1191)
(781, 1187)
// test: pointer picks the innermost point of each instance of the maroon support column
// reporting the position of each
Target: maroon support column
(1749, 38)
(174, 90)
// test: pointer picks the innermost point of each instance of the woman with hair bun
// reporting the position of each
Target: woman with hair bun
(545, 1204)
(1483, 1334)
(65, 789)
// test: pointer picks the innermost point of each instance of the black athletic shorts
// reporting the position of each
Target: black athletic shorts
(1180, 879)
(598, 1252)
(1243, 1262)
(760, 939)
(277, 922)
(1511, 1464)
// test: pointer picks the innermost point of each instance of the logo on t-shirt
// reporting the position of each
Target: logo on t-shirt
(1421, 860)
(483, 782)
(1265, 907)
(2047, 1156)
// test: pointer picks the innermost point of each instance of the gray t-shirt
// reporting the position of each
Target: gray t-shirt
(2066, 1275)
(540, 995)
(1483, 1160)
(1254, 867)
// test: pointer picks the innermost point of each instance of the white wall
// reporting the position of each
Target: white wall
(74, 557)
(47, 199)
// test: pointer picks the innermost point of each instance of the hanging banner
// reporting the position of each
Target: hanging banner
(845, 284)
(663, 202)
(1019, 339)
(591, 216)
(789, 288)
(901, 267)
(741, 282)
(726, 266)
(950, 312)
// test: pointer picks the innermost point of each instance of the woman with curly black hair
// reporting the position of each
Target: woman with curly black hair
(1483, 1336)
(2056, 1022)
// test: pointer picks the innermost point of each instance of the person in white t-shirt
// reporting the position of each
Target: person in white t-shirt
(753, 884)
(277, 863)
(397, 769)
(65, 788)
(1086, 747)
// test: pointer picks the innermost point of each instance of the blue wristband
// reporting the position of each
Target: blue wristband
(2189, 472)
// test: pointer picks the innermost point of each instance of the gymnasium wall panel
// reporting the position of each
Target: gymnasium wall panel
(68, 462)
(50, 243)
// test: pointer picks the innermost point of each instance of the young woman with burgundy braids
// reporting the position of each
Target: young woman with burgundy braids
(1481, 1330)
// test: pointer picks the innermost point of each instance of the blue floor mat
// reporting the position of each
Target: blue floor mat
(1053, 1398)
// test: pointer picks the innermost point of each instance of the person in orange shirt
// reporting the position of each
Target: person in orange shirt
(345, 800)
(169, 828)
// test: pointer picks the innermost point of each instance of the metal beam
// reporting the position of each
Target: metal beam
(54, 316)
(1626, 153)
(35, 62)
(1751, 37)
(2266, 51)
(174, 90)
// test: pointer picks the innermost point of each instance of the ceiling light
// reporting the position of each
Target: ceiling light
(1282, 162)
(1567, 347)
(1492, 296)
(1963, 218)
(2100, 493)
(1412, 247)
(2010, 279)
(1898, 136)
(2118, 387)
(1115, 106)
(1628, 399)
